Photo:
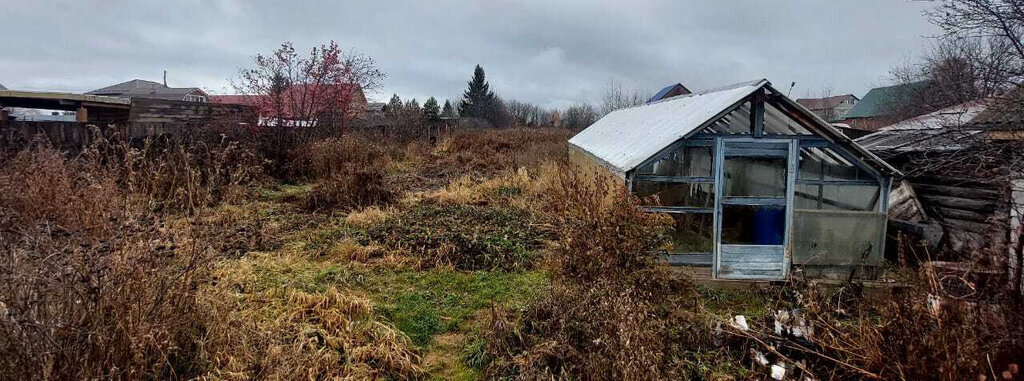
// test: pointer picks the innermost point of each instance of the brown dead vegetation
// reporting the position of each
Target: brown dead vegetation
(147, 262)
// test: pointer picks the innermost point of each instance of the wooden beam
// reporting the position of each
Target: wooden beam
(986, 193)
(958, 203)
(961, 214)
(82, 115)
(757, 113)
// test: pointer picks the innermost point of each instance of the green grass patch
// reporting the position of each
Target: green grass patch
(427, 303)
(728, 303)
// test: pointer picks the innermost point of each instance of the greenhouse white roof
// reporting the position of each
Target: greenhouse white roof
(625, 138)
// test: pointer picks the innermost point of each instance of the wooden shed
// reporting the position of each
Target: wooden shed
(758, 186)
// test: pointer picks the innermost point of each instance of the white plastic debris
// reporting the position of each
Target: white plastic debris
(778, 372)
(740, 322)
(760, 357)
(792, 323)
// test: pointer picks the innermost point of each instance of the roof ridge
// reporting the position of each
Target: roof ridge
(759, 82)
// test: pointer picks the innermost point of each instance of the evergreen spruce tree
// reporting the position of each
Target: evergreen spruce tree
(478, 98)
(395, 105)
(448, 112)
(412, 105)
(431, 111)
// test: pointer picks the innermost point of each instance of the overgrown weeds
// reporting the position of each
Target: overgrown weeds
(465, 237)
(93, 285)
(599, 318)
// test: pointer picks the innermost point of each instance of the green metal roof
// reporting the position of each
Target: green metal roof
(881, 99)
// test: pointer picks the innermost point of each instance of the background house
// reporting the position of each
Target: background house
(139, 88)
(669, 92)
(883, 106)
(302, 104)
(832, 109)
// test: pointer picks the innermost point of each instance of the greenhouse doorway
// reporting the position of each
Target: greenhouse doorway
(754, 208)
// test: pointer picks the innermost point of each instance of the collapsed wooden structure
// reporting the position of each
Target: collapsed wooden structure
(963, 195)
(759, 187)
(133, 118)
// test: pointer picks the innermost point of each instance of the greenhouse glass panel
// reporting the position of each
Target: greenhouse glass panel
(701, 195)
(692, 233)
(755, 177)
(683, 162)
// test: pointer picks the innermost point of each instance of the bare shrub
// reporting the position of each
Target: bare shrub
(488, 152)
(601, 330)
(174, 175)
(918, 335)
(602, 231)
(91, 286)
(39, 185)
(339, 156)
(600, 318)
(353, 191)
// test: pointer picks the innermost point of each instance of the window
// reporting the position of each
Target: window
(753, 224)
(194, 98)
(684, 194)
(755, 177)
(681, 184)
(692, 233)
(683, 162)
(836, 197)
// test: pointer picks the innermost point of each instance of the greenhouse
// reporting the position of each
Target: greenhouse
(759, 187)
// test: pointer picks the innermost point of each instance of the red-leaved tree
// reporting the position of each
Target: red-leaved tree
(324, 89)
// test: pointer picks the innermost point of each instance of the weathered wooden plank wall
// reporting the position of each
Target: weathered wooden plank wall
(973, 212)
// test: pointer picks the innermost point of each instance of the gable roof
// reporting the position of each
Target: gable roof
(146, 89)
(2, 87)
(824, 103)
(625, 138)
(669, 91)
(880, 100)
(128, 86)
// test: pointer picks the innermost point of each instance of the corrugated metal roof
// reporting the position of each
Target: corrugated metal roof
(624, 138)
(878, 101)
(948, 129)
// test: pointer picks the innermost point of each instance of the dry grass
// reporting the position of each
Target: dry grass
(94, 285)
(368, 217)
(286, 333)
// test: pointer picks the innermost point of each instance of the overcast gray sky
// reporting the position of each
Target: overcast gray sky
(550, 52)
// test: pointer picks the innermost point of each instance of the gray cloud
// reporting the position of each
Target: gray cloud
(549, 52)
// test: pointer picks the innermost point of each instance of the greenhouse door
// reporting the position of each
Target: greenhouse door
(753, 208)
